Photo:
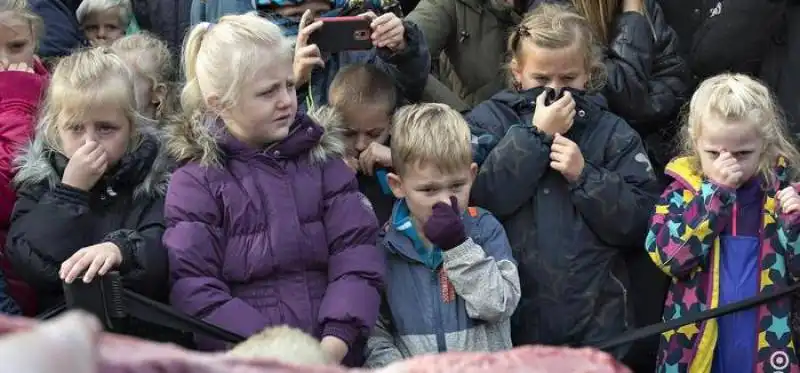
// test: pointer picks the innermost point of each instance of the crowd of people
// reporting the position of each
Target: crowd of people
(491, 174)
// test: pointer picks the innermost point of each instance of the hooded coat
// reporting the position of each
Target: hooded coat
(52, 221)
(568, 237)
(273, 236)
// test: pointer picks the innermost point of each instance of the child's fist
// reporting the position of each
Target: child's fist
(566, 158)
(789, 200)
(444, 227)
(726, 171)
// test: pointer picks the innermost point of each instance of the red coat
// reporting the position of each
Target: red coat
(20, 94)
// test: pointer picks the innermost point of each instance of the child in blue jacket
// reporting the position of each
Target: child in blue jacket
(452, 283)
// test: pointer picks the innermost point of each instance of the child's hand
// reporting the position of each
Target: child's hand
(334, 347)
(556, 118)
(21, 66)
(387, 31)
(789, 200)
(86, 166)
(444, 227)
(374, 154)
(725, 171)
(306, 56)
(94, 260)
(566, 158)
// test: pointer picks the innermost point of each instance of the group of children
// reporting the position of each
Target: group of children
(291, 187)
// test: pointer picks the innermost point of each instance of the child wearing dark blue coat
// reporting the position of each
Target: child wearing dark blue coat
(570, 182)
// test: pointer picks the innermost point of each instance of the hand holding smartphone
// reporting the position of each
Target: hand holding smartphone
(338, 34)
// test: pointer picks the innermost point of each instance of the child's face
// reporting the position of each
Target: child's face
(553, 68)
(266, 106)
(103, 28)
(17, 42)
(364, 126)
(740, 139)
(104, 124)
(423, 185)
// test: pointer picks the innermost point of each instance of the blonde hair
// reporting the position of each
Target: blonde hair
(556, 26)
(430, 133)
(83, 80)
(738, 98)
(89, 7)
(282, 343)
(217, 59)
(20, 10)
(600, 15)
(150, 57)
(361, 84)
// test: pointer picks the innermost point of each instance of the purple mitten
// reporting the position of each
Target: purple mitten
(444, 227)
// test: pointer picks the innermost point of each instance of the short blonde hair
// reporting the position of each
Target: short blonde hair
(89, 7)
(150, 57)
(556, 26)
(362, 84)
(430, 133)
(83, 80)
(743, 99)
(20, 10)
(217, 60)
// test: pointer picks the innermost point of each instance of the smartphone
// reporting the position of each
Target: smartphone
(339, 34)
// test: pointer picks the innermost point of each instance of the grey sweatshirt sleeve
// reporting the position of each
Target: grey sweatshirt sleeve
(484, 273)
(381, 349)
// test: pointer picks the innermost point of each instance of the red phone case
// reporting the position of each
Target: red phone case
(339, 34)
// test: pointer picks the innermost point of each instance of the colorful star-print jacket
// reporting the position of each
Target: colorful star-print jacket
(683, 242)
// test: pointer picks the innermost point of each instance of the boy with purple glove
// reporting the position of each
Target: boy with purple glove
(452, 284)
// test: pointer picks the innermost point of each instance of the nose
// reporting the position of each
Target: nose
(362, 142)
(286, 97)
(90, 135)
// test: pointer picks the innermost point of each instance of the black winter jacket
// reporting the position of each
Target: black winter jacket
(648, 80)
(757, 37)
(52, 221)
(169, 20)
(569, 238)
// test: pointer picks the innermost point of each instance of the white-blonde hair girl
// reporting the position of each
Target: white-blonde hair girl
(86, 79)
(150, 58)
(217, 59)
(740, 99)
(19, 9)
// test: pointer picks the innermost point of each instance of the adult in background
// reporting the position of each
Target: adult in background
(470, 35)
(756, 37)
(169, 20)
(62, 32)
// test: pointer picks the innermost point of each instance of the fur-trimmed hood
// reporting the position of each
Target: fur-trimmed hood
(148, 166)
(204, 140)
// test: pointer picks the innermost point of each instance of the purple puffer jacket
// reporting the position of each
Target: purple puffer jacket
(271, 237)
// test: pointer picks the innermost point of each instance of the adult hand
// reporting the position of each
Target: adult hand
(86, 166)
(91, 261)
(556, 118)
(388, 31)
(306, 56)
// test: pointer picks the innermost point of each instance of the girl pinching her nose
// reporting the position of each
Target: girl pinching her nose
(90, 186)
(727, 229)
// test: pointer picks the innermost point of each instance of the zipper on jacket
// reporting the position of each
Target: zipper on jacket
(624, 297)
(437, 314)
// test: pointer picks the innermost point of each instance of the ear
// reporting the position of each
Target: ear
(396, 185)
(516, 70)
(159, 93)
(473, 171)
